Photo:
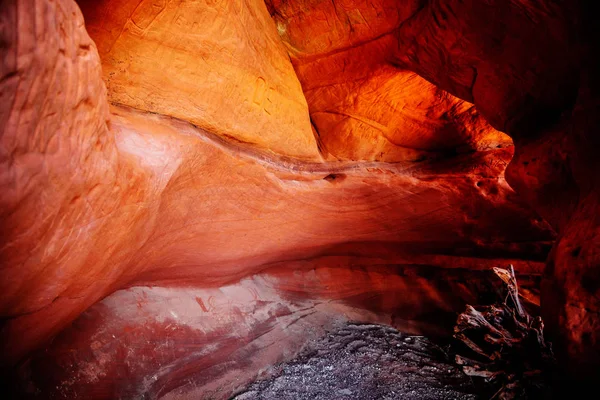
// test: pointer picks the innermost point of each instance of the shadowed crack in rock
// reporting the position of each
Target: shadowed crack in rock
(365, 361)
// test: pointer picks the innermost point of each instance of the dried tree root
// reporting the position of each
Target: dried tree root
(505, 345)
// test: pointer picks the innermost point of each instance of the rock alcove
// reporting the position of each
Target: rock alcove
(193, 190)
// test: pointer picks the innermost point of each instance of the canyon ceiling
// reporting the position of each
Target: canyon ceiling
(257, 168)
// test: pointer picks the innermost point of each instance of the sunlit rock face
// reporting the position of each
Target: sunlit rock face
(217, 64)
(363, 104)
(299, 163)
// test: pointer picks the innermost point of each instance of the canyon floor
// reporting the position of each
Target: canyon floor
(366, 361)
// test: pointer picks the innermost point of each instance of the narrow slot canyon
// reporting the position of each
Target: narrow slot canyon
(292, 199)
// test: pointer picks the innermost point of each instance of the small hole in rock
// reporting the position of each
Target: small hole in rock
(335, 177)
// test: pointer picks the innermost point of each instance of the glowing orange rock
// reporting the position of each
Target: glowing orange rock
(363, 106)
(217, 64)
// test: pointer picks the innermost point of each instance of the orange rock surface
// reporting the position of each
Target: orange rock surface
(362, 104)
(194, 210)
(188, 145)
(217, 64)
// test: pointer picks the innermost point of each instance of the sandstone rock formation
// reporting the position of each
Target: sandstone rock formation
(190, 144)
(204, 62)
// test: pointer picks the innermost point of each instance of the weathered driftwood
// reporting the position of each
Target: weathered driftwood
(505, 345)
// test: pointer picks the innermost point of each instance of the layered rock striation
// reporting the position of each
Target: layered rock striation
(188, 145)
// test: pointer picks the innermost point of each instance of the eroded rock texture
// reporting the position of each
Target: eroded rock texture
(527, 66)
(362, 103)
(217, 64)
(238, 137)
